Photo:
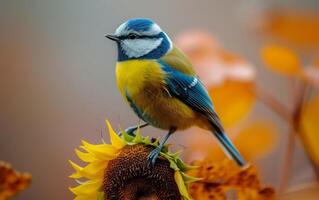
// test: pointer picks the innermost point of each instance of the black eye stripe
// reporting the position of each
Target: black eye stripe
(132, 36)
(124, 37)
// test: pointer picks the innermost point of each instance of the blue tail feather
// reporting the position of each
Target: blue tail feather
(229, 147)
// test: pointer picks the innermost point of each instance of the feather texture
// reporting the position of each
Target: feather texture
(191, 91)
(142, 84)
(177, 60)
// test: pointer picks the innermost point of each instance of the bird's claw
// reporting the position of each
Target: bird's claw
(151, 158)
(130, 131)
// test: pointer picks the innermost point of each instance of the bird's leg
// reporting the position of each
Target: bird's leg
(155, 152)
(132, 129)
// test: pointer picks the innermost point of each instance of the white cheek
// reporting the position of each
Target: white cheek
(140, 47)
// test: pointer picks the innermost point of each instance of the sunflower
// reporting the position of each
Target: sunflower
(119, 170)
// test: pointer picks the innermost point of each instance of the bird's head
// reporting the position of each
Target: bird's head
(140, 39)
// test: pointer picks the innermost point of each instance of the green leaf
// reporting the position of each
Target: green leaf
(189, 179)
(189, 167)
(146, 140)
(181, 185)
(126, 137)
(165, 148)
(181, 165)
(172, 163)
(138, 137)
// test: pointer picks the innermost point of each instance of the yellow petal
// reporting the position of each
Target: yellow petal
(94, 196)
(84, 197)
(101, 151)
(116, 141)
(90, 188)
(86, 157)
(281, 60)
(181, 185)
(77, 169)
(310, 129)
(75, 176)
(94, 170)
(263, 133)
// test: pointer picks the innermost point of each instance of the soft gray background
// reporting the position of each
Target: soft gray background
(57, 77)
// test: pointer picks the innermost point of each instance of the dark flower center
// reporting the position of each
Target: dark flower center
(129, 177)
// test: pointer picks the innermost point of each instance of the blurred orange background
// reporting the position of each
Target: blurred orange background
(57, 82)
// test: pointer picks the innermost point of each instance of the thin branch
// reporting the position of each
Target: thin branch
(307, 89)
(297, 94)
(287, 163)
(293, 120)
(300, 98)
(269, 100)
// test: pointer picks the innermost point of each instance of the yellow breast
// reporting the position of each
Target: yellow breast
(135, 75)
(143, 80)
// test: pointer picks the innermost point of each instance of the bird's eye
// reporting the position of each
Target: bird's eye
(132, 36)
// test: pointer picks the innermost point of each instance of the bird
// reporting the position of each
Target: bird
(158, 82)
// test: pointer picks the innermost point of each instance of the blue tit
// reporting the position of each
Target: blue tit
(159, 83)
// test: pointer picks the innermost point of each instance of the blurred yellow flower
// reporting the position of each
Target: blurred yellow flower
(228, 77)
(284, 61)
(297, 27)
(263, 133)
(310, 128)
(233, 101)
(281, 60)
(11, 181)
(220, 178)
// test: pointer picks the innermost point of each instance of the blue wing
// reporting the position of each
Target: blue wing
(192, 92)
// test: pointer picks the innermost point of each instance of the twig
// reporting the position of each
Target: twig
(269, 100)
(293, 120)
(281, 109)
(305, 97)
(287, 163)
(297, 94)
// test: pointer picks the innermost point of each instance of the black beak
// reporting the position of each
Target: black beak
(112, 37)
